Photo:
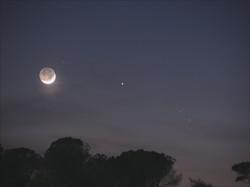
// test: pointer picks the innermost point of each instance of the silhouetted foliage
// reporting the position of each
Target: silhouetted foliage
(18, 166)
(171, 179)
(1, 162)
(199, 183)
(42, 178)
(65, 159)
(68, 163)
(141, 168)
(243, 171)
(1, 151)
(99, 171)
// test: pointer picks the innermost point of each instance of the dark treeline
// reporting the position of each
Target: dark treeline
(68, 163)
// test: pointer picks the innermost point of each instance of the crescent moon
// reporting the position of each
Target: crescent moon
(47, 75)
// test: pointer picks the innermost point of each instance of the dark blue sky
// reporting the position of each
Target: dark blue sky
(185, 65)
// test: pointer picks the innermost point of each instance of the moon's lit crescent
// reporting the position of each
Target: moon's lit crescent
(47, 75)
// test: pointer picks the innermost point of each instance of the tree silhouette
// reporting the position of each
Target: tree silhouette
(65, 159)
(171, 179)
(199, 183)
(243, 171)
(42, 178)
(99, 171)
(1, 162)
(68, 163)
(1, 151)
(18, 166)
(141, 168)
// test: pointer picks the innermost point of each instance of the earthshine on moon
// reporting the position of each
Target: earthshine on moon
(47, 75)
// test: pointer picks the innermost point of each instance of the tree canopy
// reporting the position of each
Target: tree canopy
(65, 159)
(68, 162)
(18, 166)
(199, 183)
(243, 171)
(171, 179)
(142, 168)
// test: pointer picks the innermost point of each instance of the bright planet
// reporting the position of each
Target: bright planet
(47, 75)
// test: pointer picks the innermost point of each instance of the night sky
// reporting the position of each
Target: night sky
(170, 76)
